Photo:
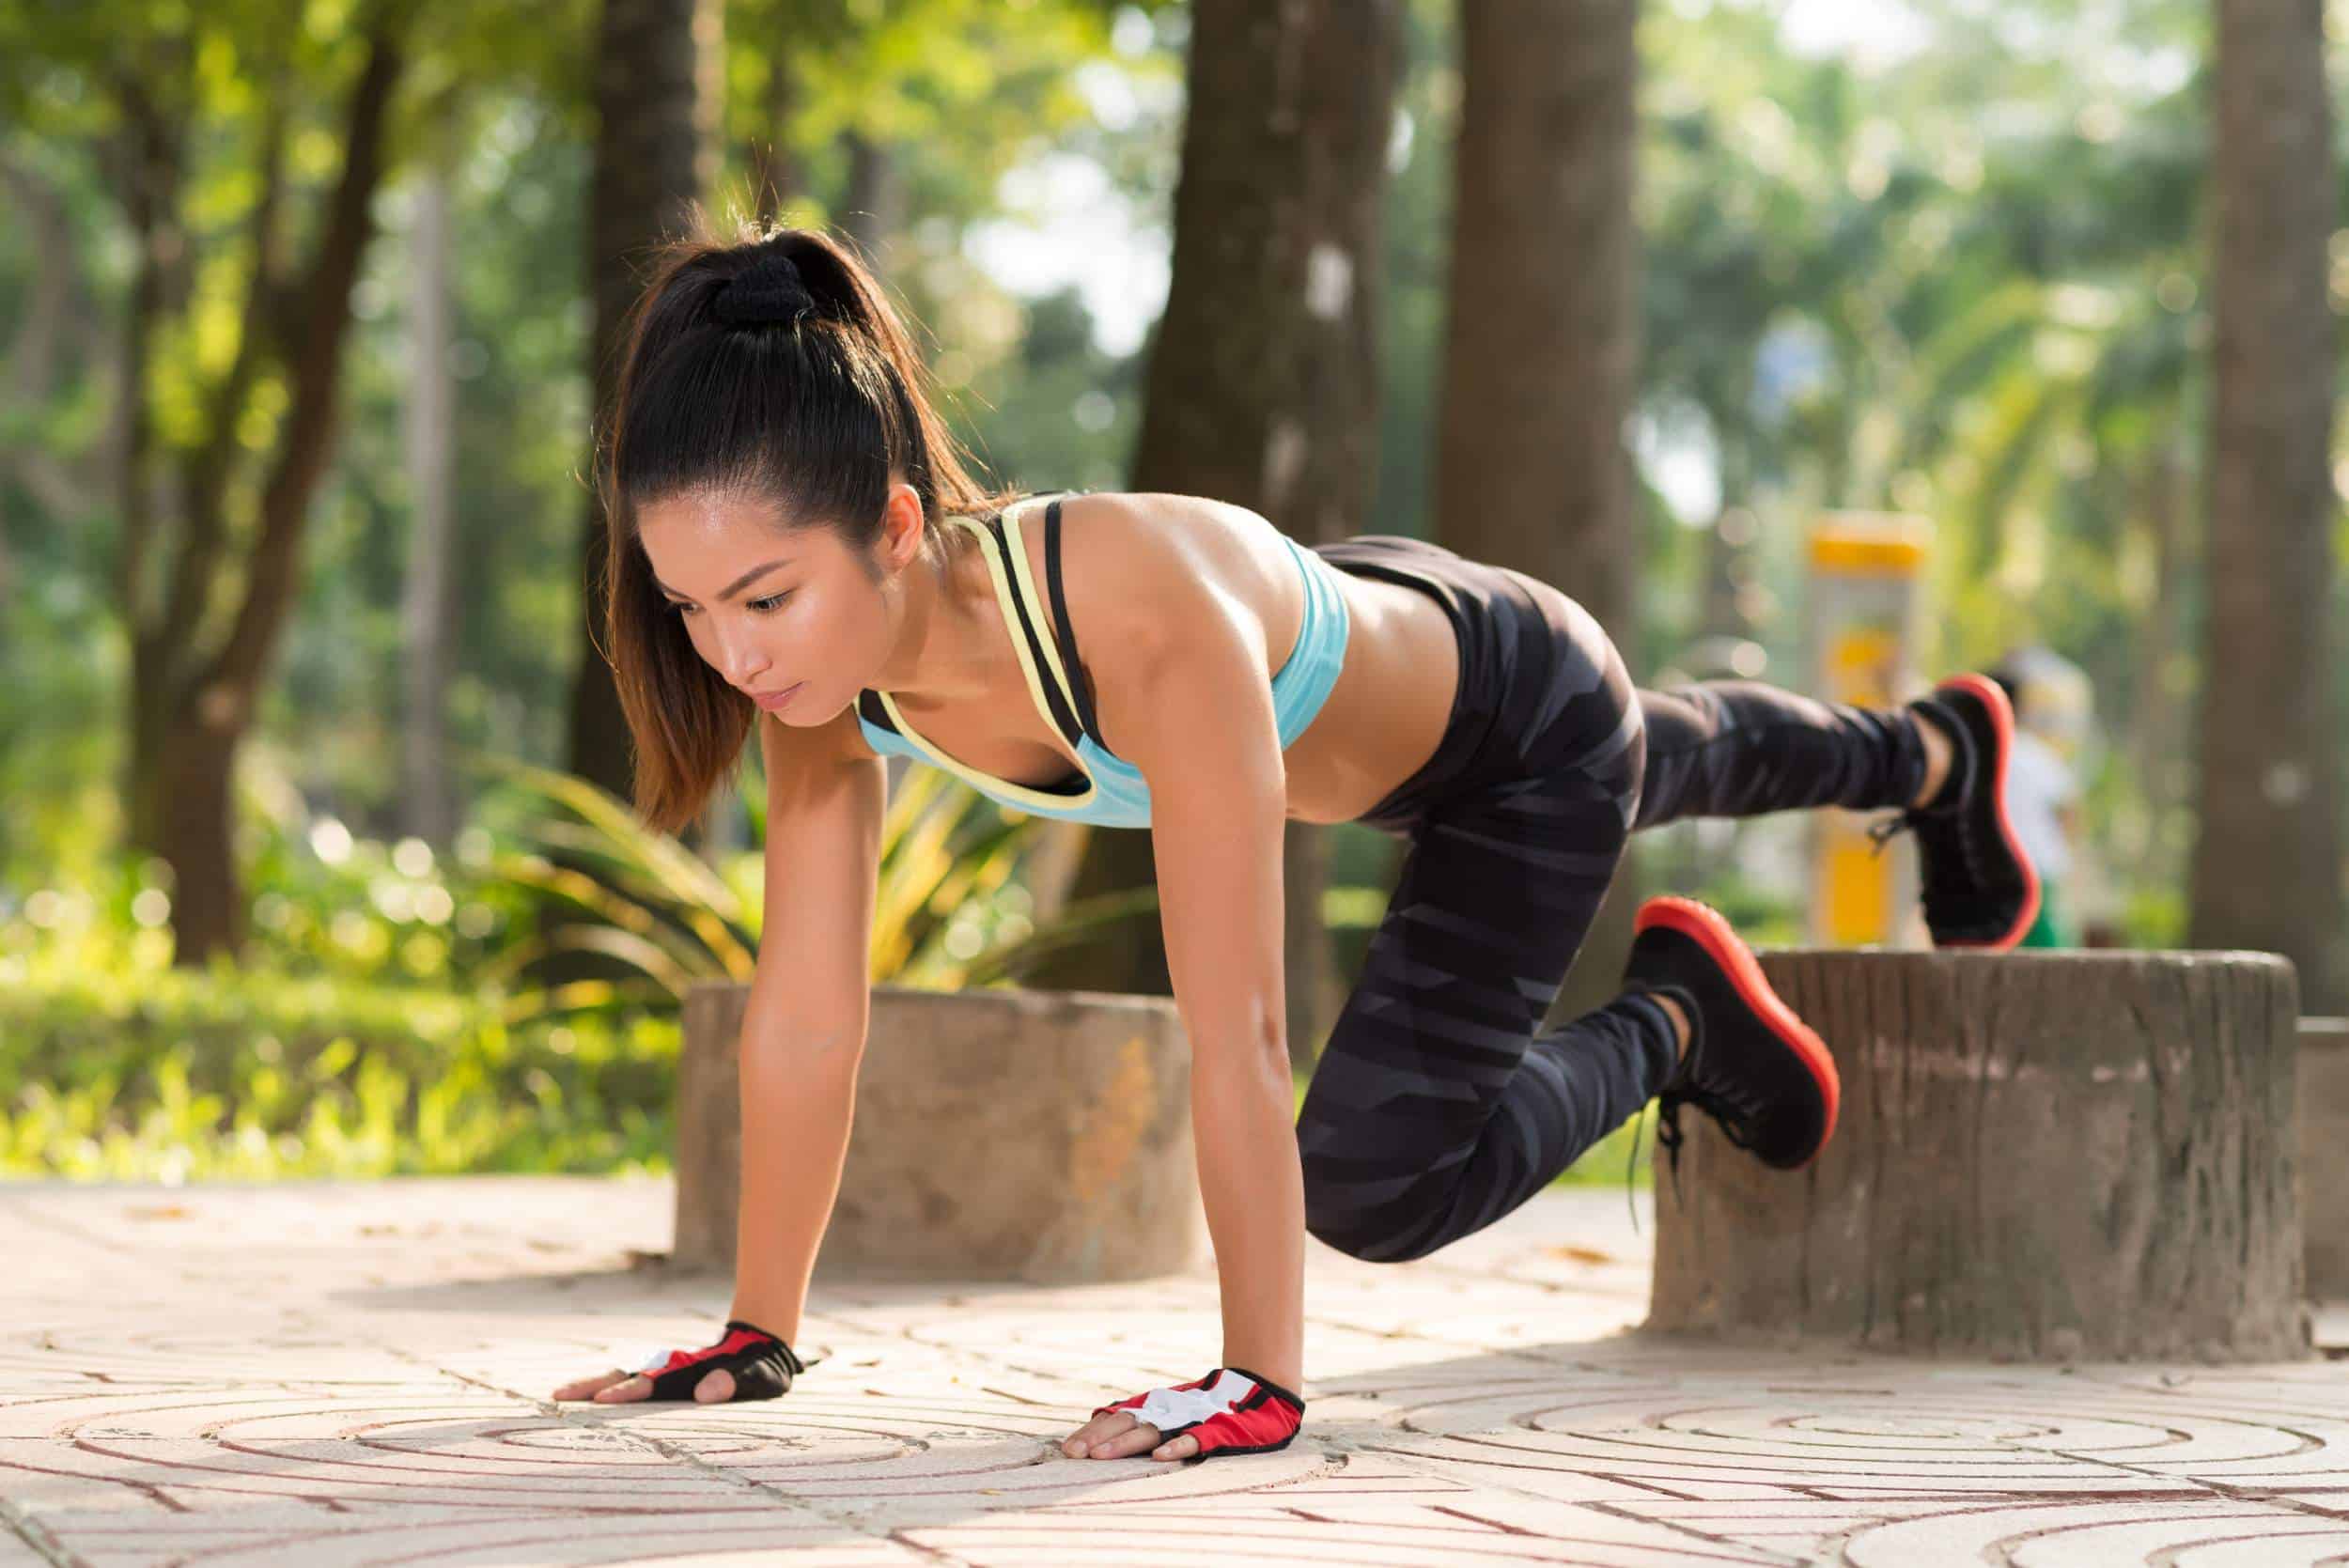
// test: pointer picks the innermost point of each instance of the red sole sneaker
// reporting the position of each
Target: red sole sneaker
(1703, 925)
(1992, 699)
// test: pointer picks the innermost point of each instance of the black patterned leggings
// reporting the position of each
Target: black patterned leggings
(1439, 1103)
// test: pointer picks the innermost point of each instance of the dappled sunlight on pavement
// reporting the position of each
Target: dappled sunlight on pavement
(349, 1373)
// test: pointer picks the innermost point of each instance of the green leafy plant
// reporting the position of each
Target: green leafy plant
(949, 910)
(115, 1065)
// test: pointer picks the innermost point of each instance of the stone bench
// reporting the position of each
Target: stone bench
(2039, 1155)
(998, 1134)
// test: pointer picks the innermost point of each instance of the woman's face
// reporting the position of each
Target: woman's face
(769, 608)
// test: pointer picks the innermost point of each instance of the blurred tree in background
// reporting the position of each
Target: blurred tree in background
(2267, 864)
(1262, 385)
(297, 324)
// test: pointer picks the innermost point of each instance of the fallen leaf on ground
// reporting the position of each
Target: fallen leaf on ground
(1583, 1254)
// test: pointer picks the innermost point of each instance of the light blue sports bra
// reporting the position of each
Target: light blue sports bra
(1105, 789)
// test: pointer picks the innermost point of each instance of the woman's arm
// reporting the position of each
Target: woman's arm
(798, 1098)
(1243, 1121)
(810, 1007)
(1196, 718)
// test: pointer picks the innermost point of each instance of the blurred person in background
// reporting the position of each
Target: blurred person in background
(2053, 702)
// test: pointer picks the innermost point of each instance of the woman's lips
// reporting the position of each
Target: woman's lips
(779, 700)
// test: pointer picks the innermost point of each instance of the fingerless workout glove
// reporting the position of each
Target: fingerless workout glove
(763, 1366)
(1230, 1410)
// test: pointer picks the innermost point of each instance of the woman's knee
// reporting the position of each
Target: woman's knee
(1395, 1229)
(1368, 1245)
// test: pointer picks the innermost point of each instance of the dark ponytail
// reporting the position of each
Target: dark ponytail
(775, 370)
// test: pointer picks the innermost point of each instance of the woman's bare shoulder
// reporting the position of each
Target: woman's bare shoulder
(1123, 555)
(1161, 516)
(1147, 576)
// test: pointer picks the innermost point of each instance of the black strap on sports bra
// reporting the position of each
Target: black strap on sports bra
(1079, 682)
(1063, 718)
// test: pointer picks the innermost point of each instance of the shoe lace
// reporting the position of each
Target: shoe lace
(1883, 832)
(1726, 1114)
(1631, 1166)
(1667, 1139)
(1938, 900)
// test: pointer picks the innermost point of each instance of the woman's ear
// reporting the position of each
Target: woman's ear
(902, 527)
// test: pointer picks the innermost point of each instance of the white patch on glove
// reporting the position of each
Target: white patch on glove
(1168, 1408)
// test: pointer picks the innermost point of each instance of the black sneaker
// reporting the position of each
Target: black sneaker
(1980, 889)
(1753, 1066)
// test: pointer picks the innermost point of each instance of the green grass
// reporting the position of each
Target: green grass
(168, 1074)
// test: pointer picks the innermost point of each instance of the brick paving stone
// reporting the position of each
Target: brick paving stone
(265, 1538)
(328, 1374)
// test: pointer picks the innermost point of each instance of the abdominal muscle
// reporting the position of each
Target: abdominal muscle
(1388, 712)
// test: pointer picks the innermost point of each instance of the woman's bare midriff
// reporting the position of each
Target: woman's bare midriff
(1381, 722)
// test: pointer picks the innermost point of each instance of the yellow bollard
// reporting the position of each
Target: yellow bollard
(1866, 574)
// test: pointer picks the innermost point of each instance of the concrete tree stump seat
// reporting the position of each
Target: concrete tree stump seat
(1035, 1136)
(2039, 1155)
(2324, 1155)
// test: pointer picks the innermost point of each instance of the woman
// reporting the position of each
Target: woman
(791, 533)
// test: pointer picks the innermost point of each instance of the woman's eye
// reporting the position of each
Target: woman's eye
(764, 606)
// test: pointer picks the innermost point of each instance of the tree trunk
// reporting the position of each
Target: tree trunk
(774, 176)
(1263, 381)
(655, 152)
(190, 708)
(55, 326)
(192, 808)
(1540, 352)
(427, 611)
(1348, 118)
(149, 186)
(146, 170)
(873, 209)
(2051, 1157)
(2267, 866)
(2157, 736)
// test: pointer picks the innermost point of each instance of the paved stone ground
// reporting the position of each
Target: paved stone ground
(344, 1374)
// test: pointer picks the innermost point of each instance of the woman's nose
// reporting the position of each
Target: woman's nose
(744, 661)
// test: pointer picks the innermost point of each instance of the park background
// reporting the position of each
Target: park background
(312, 854)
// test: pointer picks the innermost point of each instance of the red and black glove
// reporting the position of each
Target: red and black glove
(1230, 1410)
(763, 1366)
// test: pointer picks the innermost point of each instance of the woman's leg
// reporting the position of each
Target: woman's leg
(1738, 748)
(1438, 1104)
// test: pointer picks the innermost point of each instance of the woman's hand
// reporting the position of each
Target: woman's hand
(1230, 1410)
(623, 1388)
(1119, 1435)
(746, 1363)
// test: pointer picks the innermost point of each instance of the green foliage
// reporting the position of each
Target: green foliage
(384, 1018)
(1966, 283)
(115, 1065)
(636, 896)
(950, 911)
